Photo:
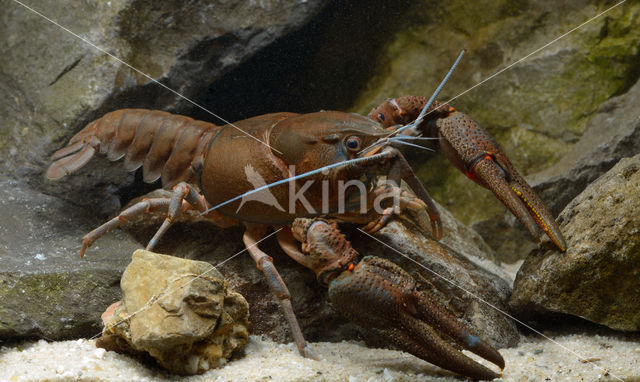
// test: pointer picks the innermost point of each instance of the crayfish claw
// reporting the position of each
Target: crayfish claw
(403, 200)
(382, 297)
(378, 295)
(377, 224)
(437, 316)
(472, 149)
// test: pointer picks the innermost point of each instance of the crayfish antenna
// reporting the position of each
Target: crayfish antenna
(423, 113)
(371, 158)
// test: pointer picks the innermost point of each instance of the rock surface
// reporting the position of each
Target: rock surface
(178, 311)
(507, 237)
(59, 83)
(46, 290)
(612, 134)
(597, 278)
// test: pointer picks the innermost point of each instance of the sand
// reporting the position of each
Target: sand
(610, 354)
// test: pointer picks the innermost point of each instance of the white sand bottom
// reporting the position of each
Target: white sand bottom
(535, 359)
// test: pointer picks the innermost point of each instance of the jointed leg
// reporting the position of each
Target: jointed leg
(181, 192)
(124, 216)
(264, 263)
(400, 170)
(402, 199)
(184, 198)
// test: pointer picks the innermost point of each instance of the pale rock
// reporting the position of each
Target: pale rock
(597, 277)
(178, 311)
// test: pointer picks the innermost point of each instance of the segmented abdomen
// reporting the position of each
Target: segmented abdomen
(165, 145)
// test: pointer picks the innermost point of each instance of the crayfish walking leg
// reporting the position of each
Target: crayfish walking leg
(184, 197)
(264, 263)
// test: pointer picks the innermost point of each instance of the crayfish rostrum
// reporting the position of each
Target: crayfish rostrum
(270, 170)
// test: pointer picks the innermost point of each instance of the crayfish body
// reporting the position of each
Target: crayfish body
(269, 170)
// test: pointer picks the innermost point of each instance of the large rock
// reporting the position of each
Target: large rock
(46, 290)
(58, 83)
(178, 311)
(597, 278)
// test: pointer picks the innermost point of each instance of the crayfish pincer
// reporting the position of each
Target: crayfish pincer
(269, 170)
(404, 315)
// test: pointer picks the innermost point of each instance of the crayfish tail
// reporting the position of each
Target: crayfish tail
(70, 159)
(165, 145)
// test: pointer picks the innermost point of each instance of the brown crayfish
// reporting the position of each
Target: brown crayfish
(204, 164)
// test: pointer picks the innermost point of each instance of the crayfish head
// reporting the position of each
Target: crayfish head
(311, 141)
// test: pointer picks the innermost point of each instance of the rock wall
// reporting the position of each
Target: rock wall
(538, 108)
(57, 83)
(597, 278)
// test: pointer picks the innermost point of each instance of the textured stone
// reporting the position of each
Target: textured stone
(597, 278)
(58, 83)
(612, 134)
(178, 311)
(46, 290)
(507, 238)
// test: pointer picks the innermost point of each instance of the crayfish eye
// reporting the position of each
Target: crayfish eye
(353, 143)
(381, 117)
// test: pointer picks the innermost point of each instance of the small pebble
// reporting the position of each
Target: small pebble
(99, 353)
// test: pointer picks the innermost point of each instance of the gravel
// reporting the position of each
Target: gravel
(606, 355)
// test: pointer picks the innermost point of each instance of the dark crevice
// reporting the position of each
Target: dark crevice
(631, 76)
(137, 188)
(324, 65)
(67, 69)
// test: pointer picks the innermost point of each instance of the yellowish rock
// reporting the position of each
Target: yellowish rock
(178, 311)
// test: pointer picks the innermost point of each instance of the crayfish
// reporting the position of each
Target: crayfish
(313, 166)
